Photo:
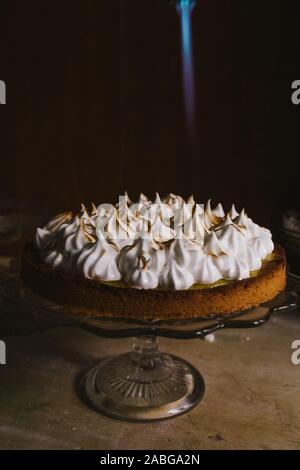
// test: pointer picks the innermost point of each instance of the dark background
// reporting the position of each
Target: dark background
(95, 102)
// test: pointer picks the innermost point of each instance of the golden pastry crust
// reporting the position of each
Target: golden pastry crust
(85, 296)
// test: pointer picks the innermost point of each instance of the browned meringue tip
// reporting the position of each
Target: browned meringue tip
(60, 219)
(191, 200)
(129, 201)
(232, 209)
(143, 262)
(84, 213)
(207, 207)
(157, 199)
(208, 213)
(89, 237)
(94, 209)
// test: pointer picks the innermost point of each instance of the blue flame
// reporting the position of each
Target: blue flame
(184, 7)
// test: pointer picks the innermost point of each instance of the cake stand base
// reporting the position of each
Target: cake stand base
(144, 385)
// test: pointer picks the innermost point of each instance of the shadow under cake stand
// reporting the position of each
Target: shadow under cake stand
(146, 384)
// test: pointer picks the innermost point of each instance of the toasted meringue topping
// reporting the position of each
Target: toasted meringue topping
(144, 199)
(44, 239)
(86, 229)
(233, 212)
(211, 218)
(58, 220)
(169, 243)
(98, 261)
(94, 209)
(213, 246)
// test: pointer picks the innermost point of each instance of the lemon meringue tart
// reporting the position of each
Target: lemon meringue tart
(166, 259)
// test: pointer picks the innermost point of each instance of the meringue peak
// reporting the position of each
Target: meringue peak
(233, 212)
(210, 217)
(94, 210)
(58, 220)
(84, 227)
(170, 243)
(213, 246)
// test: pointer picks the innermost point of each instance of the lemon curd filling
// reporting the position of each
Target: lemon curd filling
(220, 282)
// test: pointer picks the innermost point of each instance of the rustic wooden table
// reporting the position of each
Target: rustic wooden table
(252, 398)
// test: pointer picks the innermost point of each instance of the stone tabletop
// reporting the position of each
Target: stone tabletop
(252, 398)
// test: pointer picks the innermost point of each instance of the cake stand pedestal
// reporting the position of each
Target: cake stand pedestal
(144, 384)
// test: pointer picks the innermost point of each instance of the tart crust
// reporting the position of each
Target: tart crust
(91, 297)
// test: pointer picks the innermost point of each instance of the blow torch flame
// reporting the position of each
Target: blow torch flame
(184, 8)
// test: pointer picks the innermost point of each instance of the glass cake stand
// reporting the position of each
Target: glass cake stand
(143, 384)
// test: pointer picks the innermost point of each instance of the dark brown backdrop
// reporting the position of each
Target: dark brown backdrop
(95, 102)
